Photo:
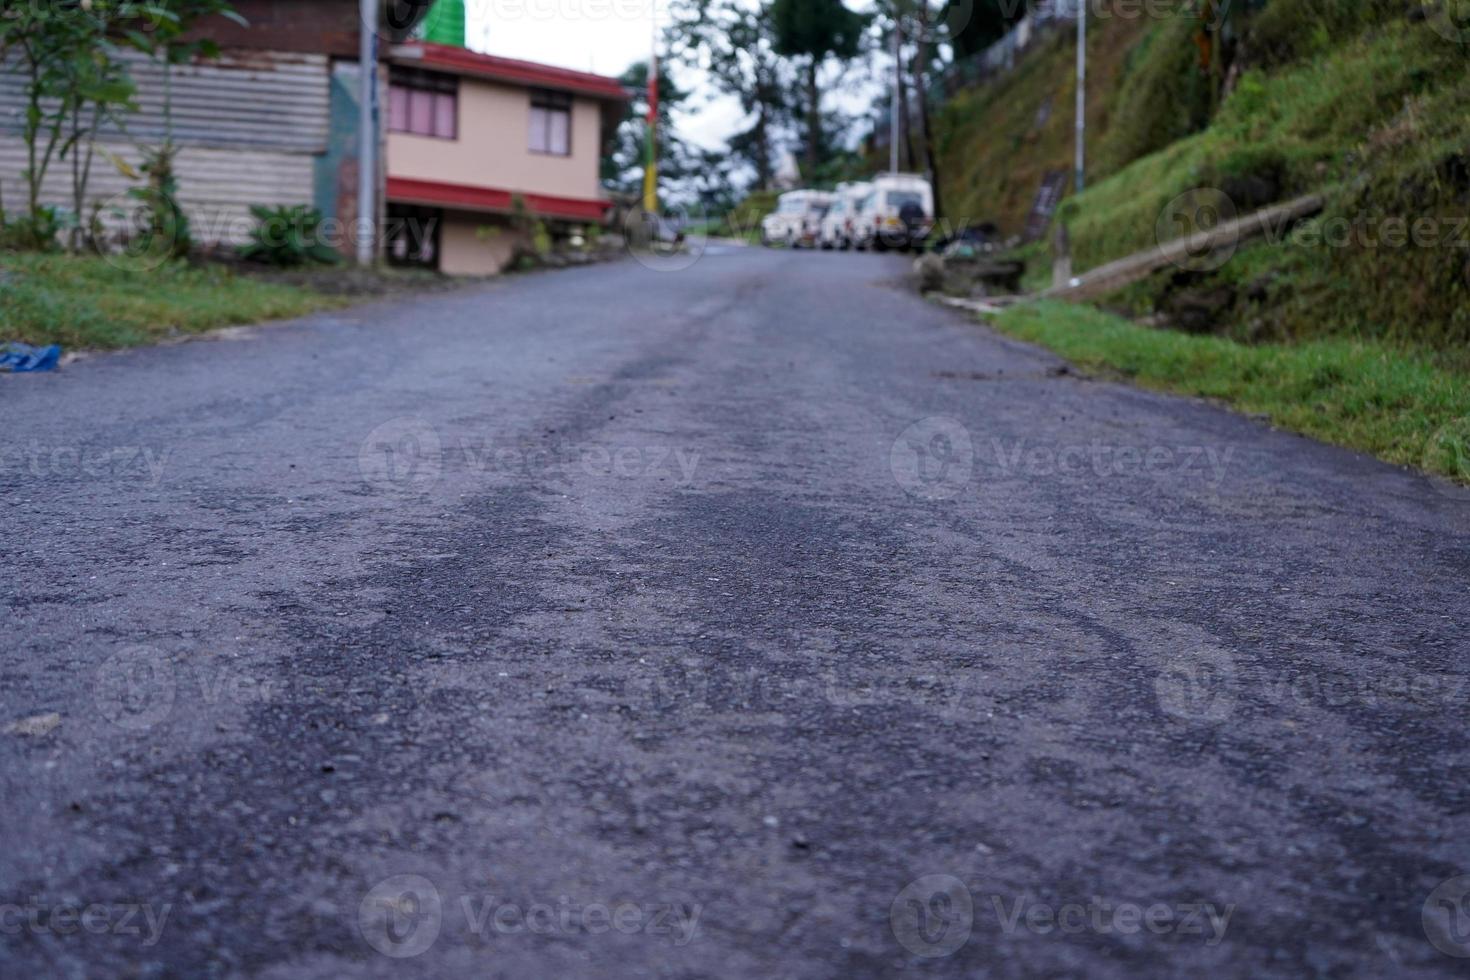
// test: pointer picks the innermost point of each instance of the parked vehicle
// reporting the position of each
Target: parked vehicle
(897, 213)
(839, 224)
(797, 218)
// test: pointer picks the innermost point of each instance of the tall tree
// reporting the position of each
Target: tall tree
(622, 164)
(735, 44)
(924, 33)
(814, 31)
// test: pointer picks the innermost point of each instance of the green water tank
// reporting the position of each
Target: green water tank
(445, 23)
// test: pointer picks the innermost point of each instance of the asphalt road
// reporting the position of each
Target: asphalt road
(753, 619)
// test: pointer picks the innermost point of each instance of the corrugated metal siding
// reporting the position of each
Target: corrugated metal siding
(261, 99)
(250, 129)
(216, 187)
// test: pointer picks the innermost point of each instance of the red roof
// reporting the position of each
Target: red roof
(410, 191)
(461, 61)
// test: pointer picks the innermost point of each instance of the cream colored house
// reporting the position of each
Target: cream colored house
(473, 139)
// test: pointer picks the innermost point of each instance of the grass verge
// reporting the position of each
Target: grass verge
(1393, 402)
(84, 301)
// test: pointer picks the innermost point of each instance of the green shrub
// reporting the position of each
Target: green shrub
(1292, 30)
(163, 226)
(288, 236)
(36, 232)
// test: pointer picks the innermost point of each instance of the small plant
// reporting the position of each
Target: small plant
(288, 236)
(33, 231)
(162, 228)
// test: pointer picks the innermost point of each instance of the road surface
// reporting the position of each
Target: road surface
(751, 619)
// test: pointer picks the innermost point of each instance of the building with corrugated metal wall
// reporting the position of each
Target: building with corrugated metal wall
(273, 121)
(250, 130)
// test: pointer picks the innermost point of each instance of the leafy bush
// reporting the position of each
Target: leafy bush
(163, 228)
(35, 231)
(288, 236)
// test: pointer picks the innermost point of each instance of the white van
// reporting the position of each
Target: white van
(797, 217)
(839, 225)
(897, 213)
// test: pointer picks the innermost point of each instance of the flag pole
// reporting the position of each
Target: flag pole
(650, 141)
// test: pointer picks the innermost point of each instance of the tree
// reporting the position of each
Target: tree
(622, 165)
(69, 53)
(815, 30)
(735, 44)
(914, 20)
(41, 40)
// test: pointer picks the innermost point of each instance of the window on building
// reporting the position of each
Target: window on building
(423, 103)
(551, 123)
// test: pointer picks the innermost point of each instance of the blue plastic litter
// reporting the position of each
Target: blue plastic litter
(24, 357)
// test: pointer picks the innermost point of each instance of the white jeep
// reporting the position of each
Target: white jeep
(796, 219)
(897, 213)
(839, 228)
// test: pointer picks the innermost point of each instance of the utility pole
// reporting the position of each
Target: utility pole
(367, 147)
(1081, 95)
(893, 103)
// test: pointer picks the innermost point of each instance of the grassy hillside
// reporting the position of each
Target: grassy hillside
(1353, 326)
(996, 141)
(1363, 103)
